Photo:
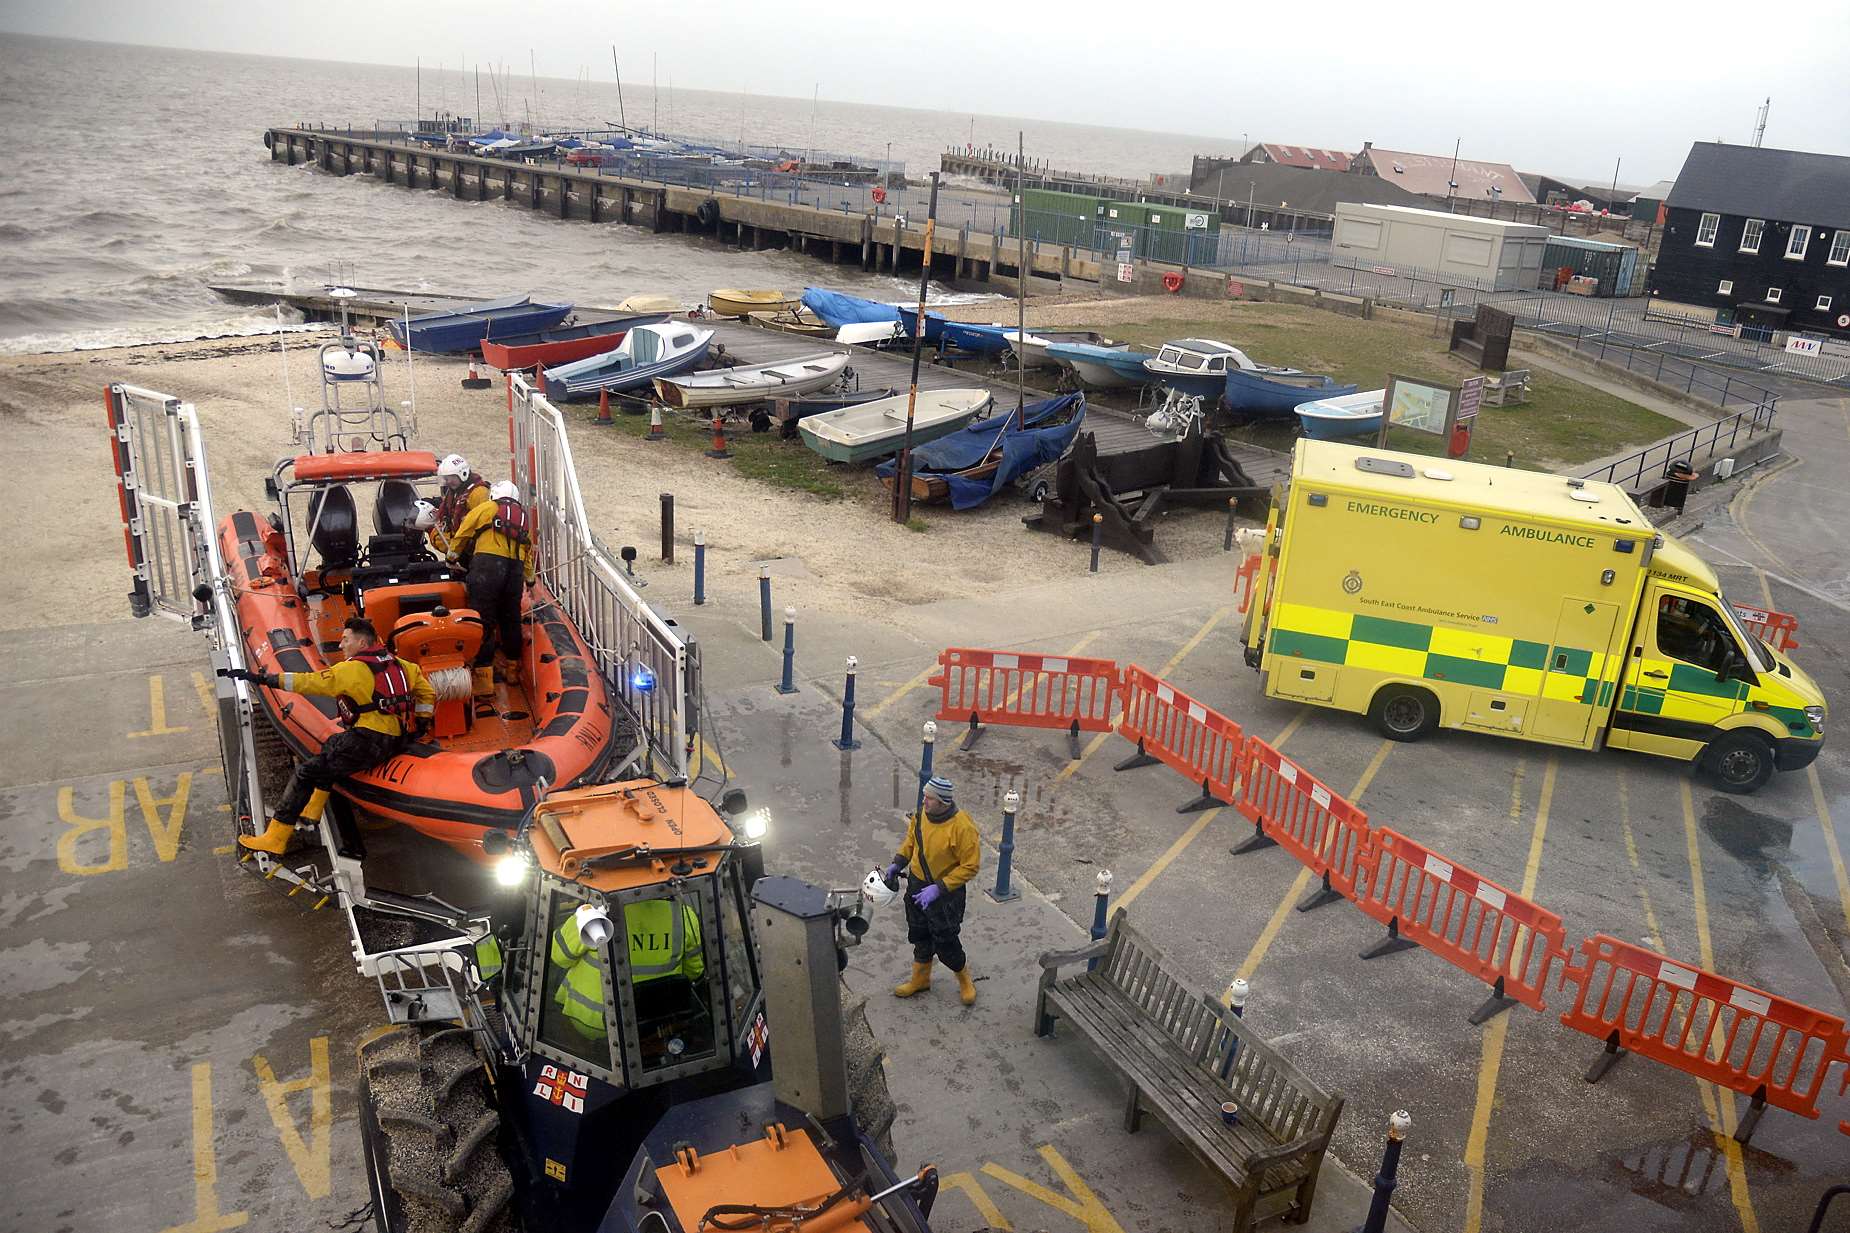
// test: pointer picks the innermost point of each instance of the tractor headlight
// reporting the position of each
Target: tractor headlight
(757, 824)
(1814, 715)
(511, 869)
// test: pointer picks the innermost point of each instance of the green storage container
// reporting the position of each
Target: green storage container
(1054, 217)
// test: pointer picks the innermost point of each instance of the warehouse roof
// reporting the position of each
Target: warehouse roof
(1313, 157)
(1295, 188)
(1430, 174)
(1788, 185)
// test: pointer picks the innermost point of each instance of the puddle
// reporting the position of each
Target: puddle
(1757, 840)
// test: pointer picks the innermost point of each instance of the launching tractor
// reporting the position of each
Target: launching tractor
(615, 1072)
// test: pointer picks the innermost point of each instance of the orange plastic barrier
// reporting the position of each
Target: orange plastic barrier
(1243, 581)
(1749, 1041)
(1778, 630)
(1172, 728)
(1469, 921)
(1288, 806)
(1029, 691)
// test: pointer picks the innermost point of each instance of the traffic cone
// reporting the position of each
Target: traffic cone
(656, 431)
(475, 380)
(719, 449)
(603, 408)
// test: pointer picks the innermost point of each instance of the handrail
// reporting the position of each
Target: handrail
(648, 666)
(1684, 445)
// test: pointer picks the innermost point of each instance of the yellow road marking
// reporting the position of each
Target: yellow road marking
(157, 710)
(1830, 840)
(701, 754)
(979, 1198)
(311, 1157)
(1200, 824)
(206, 1216)
(208, 700)
(1163, 862)
(1083, 1206)
(1717, 1101)
(1738, 509)
(880, 708)
(225, 849)
(1522, 767)
(1092, 746)
(1263, 942)
(1631, 854)
(1490, 1063)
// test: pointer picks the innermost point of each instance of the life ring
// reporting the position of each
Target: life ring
(1843, 321)
(879, 195)
(707, 212)
(1172, 282)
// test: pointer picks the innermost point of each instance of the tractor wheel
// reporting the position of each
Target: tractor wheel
(868, 1097)
(275, 762)
(431, 1134)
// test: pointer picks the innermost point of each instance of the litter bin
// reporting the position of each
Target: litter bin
(1677, 478)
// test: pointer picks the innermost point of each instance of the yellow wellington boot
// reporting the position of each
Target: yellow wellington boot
(920, 982)
(317, 802)
(484, 683)
(965, 988)
(274, 840)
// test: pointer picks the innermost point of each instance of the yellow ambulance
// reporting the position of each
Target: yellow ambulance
(1429, 593)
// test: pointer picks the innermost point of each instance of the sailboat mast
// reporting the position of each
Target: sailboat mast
(623, 121)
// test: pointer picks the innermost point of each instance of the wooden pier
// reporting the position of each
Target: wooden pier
(589, 194)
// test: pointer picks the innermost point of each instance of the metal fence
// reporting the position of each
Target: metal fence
(1654, 459)
(645, 662)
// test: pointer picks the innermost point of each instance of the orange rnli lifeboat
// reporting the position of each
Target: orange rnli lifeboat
(304, 570)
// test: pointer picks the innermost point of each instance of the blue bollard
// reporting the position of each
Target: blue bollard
(930, 738)
(1103, 901)
(1005, 851)
(788, 685)
(700, 568)
(1236, 1001)
(764, 602)
(1398, 1125)
(846, 741)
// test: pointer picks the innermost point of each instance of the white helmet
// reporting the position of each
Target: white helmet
(423, 516)
(875, 890)
(504, 491)
(455, 467)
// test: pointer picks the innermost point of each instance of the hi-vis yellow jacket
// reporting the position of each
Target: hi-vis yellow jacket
(354, 680)
(477, 528)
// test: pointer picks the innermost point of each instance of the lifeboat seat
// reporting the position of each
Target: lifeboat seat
(336, 527)
(443, 643)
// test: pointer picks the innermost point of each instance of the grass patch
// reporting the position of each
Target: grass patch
(1563, 424)
(761, 456)
(917, 524)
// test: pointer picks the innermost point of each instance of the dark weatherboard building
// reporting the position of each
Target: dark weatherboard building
(1759, 238)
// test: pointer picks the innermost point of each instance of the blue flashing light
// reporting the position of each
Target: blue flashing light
(642, 680)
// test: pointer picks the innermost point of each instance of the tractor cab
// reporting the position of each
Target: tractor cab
(638, 985)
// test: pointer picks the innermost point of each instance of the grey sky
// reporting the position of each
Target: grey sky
(1562, 89)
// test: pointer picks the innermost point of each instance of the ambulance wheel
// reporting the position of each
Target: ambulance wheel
(431, 1136)
(1739, 762)
(1405, 713)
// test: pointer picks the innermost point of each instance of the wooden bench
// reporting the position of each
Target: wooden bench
(1182, 1054)
(1508, 389)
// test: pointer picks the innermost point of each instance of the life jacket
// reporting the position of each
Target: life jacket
(455, 504)
(511, 521)
(391, 691)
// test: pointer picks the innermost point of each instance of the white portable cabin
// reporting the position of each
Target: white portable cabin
(1481, 252)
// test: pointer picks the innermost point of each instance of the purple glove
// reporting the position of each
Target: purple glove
(893, 871)
(928, 896)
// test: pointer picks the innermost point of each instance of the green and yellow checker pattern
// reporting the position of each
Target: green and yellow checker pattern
(1476, 658)
(1692, 693)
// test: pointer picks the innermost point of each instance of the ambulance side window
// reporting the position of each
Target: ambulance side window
(1695, 633)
